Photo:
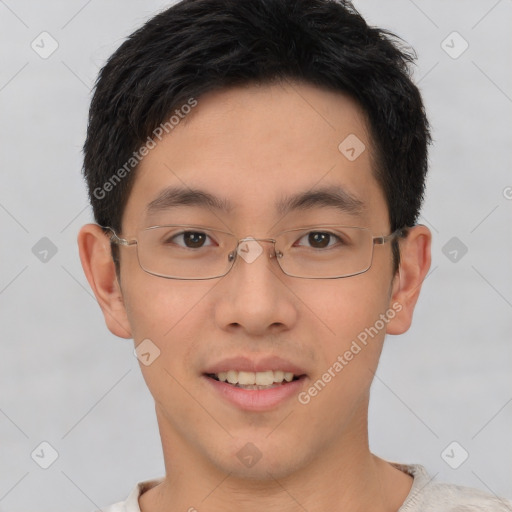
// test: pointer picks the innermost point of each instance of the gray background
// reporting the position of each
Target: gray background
(66, 380)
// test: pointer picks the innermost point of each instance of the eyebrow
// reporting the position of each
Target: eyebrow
(173, 197)
(329, 196)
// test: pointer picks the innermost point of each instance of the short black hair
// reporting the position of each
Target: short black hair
(198, 46)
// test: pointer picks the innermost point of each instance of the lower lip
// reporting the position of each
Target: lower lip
(257, 399)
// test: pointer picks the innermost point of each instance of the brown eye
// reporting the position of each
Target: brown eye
(319, 240)
(194, 240)
(189, 239)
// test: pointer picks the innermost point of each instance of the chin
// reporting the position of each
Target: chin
(258, 459)
(263, 471)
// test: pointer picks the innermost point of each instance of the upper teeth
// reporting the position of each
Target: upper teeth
(255, 378)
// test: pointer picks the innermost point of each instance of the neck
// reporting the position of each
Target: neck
(342, 477)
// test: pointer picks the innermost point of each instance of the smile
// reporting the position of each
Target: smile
(254, 380)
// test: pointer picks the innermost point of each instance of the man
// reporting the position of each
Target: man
(256, 171)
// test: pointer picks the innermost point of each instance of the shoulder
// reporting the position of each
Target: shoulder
(116, 507)
(454, 498)
(429, 496)
(445, 497)
(131, 504)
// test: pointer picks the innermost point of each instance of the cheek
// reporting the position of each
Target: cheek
(168, 312)
(345, 307)
(349, 312)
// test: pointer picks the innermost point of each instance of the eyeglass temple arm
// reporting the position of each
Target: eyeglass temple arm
(118, 240)
(380, 240)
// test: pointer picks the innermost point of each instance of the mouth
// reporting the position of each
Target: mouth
(256, 385)
(267, 379)
(256, 391)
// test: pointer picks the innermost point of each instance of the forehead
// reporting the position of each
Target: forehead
(257, 151)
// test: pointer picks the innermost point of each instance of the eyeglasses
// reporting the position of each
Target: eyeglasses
(194, 252)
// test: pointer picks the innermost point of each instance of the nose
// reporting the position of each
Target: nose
(253, 296)
(249, 249)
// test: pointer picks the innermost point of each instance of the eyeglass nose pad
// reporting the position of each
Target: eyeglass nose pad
(276, 254)
(249, 249)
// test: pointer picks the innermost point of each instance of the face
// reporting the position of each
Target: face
(254, 147)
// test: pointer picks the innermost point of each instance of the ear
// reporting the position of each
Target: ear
(415, 261)
(99, 268)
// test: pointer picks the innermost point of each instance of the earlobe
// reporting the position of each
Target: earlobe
(99, 268)
(415, 258)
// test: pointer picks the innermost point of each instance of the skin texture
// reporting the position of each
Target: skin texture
(254, 145)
